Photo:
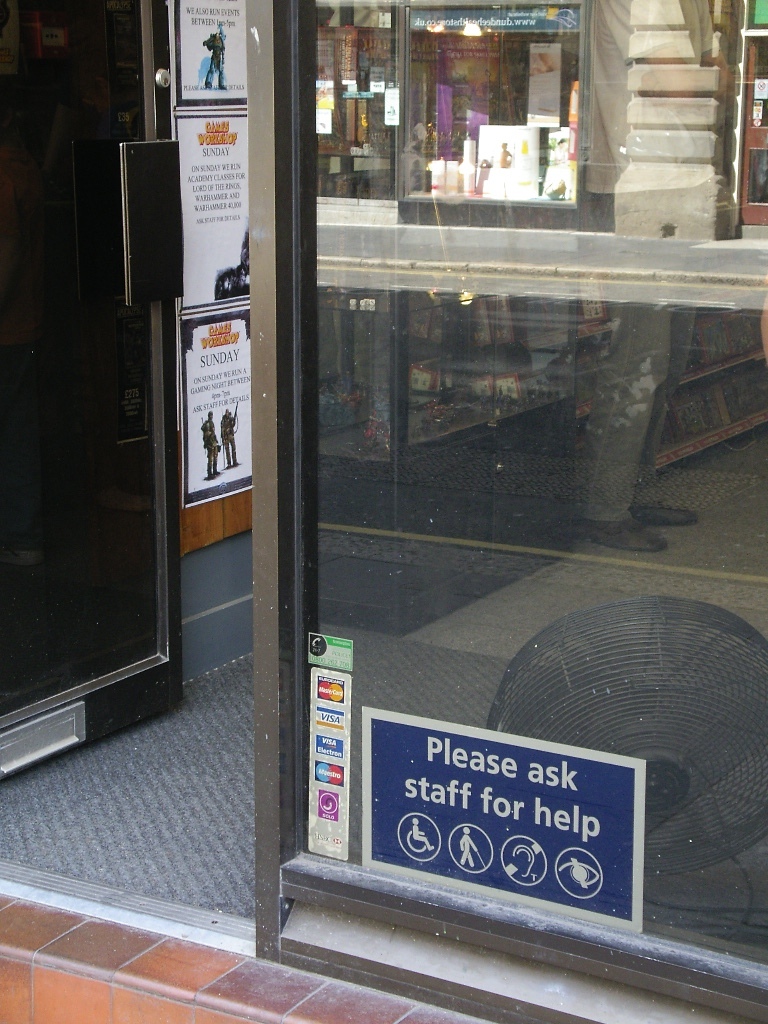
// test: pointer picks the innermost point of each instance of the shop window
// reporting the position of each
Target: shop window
(358, 102)
(493, 103)
(541, 461)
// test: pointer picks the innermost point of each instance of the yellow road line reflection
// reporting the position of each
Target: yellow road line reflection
(573, 556)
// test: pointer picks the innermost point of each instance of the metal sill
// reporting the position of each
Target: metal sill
(641, 962)
(174, 920)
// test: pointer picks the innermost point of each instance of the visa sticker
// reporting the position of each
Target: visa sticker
(329, 718)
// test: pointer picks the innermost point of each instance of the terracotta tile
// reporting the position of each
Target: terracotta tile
(25, 927)
(96, 949)
(259, 991)
(6, 901)
(203, 1016)
(176, 969)
(59, 998)
(15, 992)
(338, 1003)
(131, 1007)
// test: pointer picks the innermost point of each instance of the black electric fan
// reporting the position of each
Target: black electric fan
(679, 683)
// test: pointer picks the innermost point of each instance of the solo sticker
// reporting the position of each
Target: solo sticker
(328, 805)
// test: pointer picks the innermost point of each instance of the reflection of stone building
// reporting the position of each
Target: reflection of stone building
(671, 186)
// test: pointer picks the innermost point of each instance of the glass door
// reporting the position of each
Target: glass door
(86, 535)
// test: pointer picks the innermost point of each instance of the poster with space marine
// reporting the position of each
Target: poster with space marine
(213, 154)
(215, 361)
(210, 53)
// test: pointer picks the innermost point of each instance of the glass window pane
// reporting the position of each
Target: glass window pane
(542, 454)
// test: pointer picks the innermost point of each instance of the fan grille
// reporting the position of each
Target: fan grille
(683, 685)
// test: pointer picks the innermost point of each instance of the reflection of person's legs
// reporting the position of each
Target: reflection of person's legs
(620, 418)
(682, 324)
(20, 519)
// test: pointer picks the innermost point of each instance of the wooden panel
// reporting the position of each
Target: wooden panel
(213, 521)
(237, 513)
(201, 525)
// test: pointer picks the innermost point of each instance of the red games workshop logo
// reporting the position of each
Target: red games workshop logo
(330, 688)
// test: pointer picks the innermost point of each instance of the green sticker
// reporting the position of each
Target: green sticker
(330, 652)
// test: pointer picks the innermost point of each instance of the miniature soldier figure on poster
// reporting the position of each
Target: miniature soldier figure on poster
(216, 43)
(211, 445)
(228, 430)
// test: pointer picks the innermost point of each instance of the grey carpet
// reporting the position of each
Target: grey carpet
(165, 808)
(535, 475)
(162, 809)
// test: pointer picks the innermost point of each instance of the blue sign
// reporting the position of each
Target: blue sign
(556, 827)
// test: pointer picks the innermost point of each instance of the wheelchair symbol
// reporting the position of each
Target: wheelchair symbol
(419, 837)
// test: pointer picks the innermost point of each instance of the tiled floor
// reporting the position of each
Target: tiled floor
(58, 967)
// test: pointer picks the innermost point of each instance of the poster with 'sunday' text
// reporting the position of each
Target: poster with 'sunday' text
(216, 405)
(210, 53)
(214, 172)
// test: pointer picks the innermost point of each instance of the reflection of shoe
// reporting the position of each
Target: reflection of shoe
(21, 556)
(626, 535)
(657, 515)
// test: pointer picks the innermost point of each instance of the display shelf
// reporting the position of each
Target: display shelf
(433, 419)
(698, 444)
(705, 371)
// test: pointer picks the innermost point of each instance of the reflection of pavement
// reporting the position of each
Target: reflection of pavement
(509, 261)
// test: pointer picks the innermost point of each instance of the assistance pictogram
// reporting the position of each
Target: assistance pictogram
(579, 873)
(419, 837)
(524, 860)
(470, 848)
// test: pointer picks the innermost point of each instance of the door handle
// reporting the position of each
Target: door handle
(128, 219)
(153, 247)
